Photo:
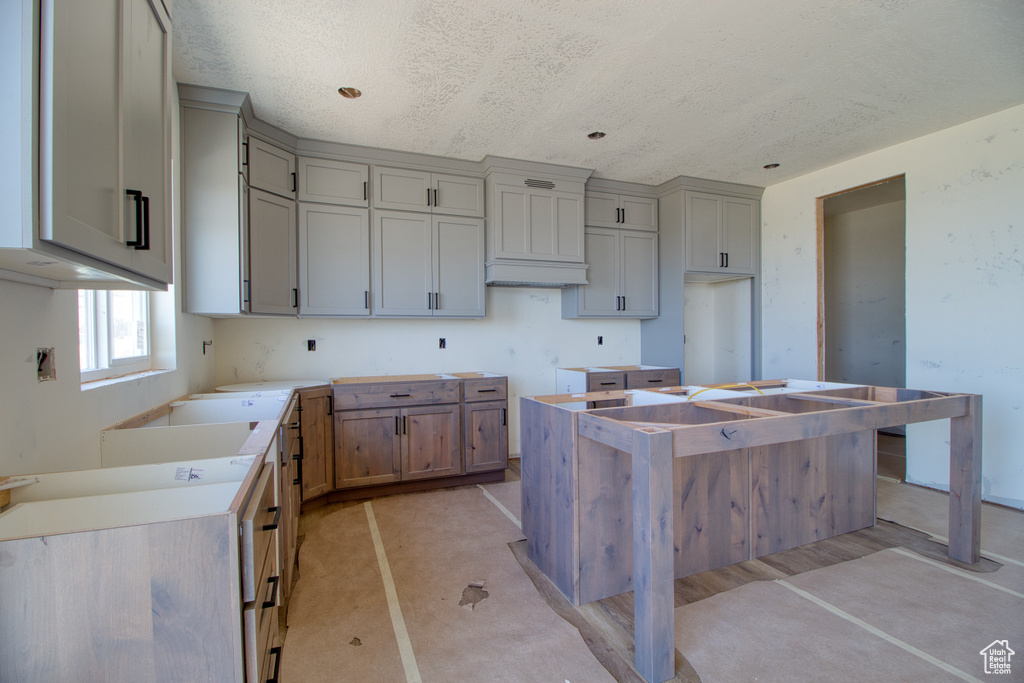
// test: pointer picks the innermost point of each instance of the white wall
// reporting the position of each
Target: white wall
(55, 426)
(523, 337)
(716, 318)
(964, 283)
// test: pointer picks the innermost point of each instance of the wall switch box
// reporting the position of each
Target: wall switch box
(45, 369)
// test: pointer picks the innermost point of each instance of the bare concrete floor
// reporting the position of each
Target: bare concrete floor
(424, 587)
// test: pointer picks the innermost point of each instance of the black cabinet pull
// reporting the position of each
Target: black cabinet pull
(726, 259)
(136, 195)
(295, 183)
(623, 303)
(274, 581)
(277, 518)
(396, 425)
(364, 190)
(145, 225)
(607, 384)
(276, 651)
(486, 391)
(655, 381)
(403, 425)
(504, 417)
(437, 301)
(435, 197)
(428, 196)
(366, 299)
(245, 157)
(399, 395)
(295, 297)
(248, 291)
(330, 404)
(430, 301)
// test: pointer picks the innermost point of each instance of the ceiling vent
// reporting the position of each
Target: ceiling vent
(540, 184)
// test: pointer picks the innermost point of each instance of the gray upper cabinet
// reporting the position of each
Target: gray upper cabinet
(427, 265)
(408, 190)
(721, 234)
(623, 275)
(104, 140)
(215, 207)
(333, 182)
(272, 258)
(608, 210)
(271, 168)
(334, 260)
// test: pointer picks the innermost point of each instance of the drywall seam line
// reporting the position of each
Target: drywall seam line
(508, 513)
(985, 553)
(412, 671)
(958, 572)
(880, 633)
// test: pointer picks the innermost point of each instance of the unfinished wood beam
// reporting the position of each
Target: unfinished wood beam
(737, 409)
(839, 400)
(653, 561)
(965, 484)
(610, 432)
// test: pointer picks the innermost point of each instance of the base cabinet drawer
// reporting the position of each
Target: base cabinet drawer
(606, 381)
(258, 527)
(646, 379)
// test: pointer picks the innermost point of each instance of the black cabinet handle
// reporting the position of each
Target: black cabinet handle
(364, 190)
(366, 297)
(330, 404)
(726, 259)
(245, 157)
(428, 196)
(504, 417)
(276, 651)
(295, 183)
(606, 384)
(136, 195)
(295, 297)
(437, 301)
(145, 225)
(721, 259)
(623, 303)
(435, 196)
(396, 424)
(399, 395)
(403, 425)
(430, 301)
(655, 381)
(274, 581)
(486, 391)
(248, 291)
(277, 518)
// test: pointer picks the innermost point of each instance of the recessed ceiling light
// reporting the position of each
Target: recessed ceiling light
(771, 166)
(596, 135)
(350, 93)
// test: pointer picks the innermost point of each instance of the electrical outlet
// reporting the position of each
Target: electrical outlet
(45, 368)
(311, 344)
(600, 341)
(441, 343)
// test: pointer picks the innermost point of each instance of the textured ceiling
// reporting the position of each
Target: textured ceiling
(682, 87)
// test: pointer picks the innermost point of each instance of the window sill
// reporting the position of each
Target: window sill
(108, 381)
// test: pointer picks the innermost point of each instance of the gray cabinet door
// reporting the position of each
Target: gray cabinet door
(146, 116)
(600, 297)
(639, 213)
(333, 182)
(272, 244)
(457, 195)
(334, 260)
(402, 189)
(458, 267)
(401, 267)
(739, 230)
(703, 224)
(638, 274)
(601, 209)
(271, 168)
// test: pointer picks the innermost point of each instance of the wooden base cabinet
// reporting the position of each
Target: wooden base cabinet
(317, 441)
(368, 447)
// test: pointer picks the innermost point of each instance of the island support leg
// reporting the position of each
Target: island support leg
(653, 563)
(965, 484)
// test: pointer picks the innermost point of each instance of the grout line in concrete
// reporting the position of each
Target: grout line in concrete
(412, 672)
(880, 633)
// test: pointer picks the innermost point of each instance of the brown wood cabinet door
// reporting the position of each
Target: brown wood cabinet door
(317, 443)
(432, 445)
(485, 435)
(367, 447)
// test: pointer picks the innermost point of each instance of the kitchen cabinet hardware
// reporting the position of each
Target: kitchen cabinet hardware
(295, 297)
(428, 196)
(276, 509)
(404, 425)
(722, 226)
(399, 395)
(364, 191)
(366, 299)
(245, 153)
(435, 197)
(276, 652)
(437, 301)
(622, 269)
(274, 582)
(486, 391)
(295, 182)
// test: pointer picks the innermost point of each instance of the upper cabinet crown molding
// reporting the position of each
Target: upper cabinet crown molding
(104, 131)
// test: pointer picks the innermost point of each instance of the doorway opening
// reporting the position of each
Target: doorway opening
(862, 296)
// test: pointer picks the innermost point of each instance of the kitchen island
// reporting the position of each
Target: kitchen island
(682, 480)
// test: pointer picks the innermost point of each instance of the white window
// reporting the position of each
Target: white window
(113, 333)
